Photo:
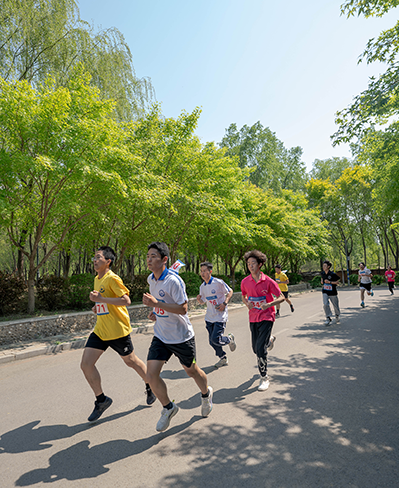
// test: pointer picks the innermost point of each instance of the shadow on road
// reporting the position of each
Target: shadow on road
(82, 461)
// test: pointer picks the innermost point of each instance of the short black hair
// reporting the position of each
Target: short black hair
(361, 262)
(259, 256)
(327, 262)
(277, 266)
(207, 264)
(161, 247)
(108, 253)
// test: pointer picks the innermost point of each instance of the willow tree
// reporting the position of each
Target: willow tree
(47, 37)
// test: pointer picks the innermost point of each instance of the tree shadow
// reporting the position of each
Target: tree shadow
(82, 461)
(325, 422)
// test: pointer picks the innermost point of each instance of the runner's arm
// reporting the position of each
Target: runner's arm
(276, 301)
(246, 302)
(151, 301)
(122, 301)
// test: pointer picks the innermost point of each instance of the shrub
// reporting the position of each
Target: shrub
(315, 282)
(80, 287)
(137, 287)
(294, 278)
(378, 279)
(192, 281)
(13, 292)
(353, 278)
(239, 276)
(52, 292)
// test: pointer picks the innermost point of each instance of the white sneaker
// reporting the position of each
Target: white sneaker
(337, 319)
(166, 416)
(327, 321)
(263, 384)
(207, 405)
(232, 343)
(272, 340)
(222, 362)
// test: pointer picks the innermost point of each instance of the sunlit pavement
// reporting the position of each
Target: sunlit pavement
(329, 418)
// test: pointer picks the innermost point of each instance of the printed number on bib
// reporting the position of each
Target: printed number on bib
(257, 301)
(102, 309)
(160, 312)
(327, 287)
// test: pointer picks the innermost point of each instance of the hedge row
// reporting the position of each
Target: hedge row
(56, 293)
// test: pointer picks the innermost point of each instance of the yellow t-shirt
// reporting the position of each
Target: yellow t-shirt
(281, 277)
(112, 322)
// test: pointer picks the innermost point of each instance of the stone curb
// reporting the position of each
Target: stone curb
(41, 350)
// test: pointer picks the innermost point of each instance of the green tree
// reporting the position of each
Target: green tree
(355, 185)
(59, 151)
(329, 169)
(380, 151)
(380, 100)
(271, 165)
(327, 198)
(47, 37)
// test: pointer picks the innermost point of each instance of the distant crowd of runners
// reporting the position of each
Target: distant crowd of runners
(173, 332)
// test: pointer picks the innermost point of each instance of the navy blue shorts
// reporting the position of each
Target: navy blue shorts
(123, 345)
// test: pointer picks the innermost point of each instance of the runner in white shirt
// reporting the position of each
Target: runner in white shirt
(365, 280)
(216, 294)
(173, 333)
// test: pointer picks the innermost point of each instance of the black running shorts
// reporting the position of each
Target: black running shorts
(365, 286)
(123, 345)
(185, 351)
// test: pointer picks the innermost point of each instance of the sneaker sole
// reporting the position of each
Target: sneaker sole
(271, 344)
(151, 400)
(98, 416)
(266, 387)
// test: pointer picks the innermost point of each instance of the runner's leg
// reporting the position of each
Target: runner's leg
(157, 384)
(88, 365)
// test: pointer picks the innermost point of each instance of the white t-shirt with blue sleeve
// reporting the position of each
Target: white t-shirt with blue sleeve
(170, 328)
(214, 293)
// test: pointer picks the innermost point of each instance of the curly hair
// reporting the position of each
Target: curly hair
(259, 256)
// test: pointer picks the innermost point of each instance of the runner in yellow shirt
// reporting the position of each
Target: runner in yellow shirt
(282, 280)
(110, 297)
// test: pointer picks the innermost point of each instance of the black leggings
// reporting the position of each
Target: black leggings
(260, 336)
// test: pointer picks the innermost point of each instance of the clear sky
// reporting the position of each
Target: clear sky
(290, 65)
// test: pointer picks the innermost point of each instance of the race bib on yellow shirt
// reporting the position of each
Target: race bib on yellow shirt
(102, 309)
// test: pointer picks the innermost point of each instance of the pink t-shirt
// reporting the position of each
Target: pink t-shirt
(258, 293)
(390, 275)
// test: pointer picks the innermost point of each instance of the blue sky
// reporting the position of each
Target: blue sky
(290, 65)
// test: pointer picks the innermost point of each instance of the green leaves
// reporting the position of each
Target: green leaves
(380, 100)
(47, 37)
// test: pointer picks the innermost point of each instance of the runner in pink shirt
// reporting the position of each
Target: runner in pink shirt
(390, 277)
(260, 293)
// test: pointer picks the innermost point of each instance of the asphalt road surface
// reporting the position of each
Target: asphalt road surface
(329, 418)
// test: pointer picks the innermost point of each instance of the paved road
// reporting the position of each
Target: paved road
(329, 418)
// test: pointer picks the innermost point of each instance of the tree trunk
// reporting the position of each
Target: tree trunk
(31, 286)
